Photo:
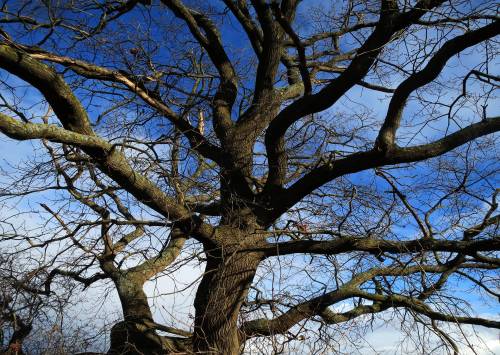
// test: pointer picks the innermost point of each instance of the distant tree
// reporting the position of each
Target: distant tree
(31, 314)
(329, 163)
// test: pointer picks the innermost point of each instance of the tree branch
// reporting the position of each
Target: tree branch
(387, 134)
(372, 159)
(390, 22)
(74, 118)
(378, 246)
(197, 141)
(211, 42)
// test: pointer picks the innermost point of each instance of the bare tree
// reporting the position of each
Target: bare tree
(239, 135)
(32, 320)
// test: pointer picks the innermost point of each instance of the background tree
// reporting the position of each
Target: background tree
(34, 317)
(239, 135)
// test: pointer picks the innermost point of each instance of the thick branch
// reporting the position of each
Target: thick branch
(210, 40)
(24, 131)
(376, 246)
(53, 87)
(390, 22)
(372, 159)
(167, 255)
(74, 118)
(319, 305)
(422, 308)
(387, 134)
(92, 71)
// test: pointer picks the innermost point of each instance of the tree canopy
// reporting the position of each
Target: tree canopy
(329, 164)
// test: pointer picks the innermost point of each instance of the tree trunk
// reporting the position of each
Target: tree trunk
(21, 331)
(218, 301)
(133, 335)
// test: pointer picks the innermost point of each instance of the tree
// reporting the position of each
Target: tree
(32, 318)
(232, 134)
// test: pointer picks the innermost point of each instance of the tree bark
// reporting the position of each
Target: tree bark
(133, 335)
(21, 332)
(218, 300)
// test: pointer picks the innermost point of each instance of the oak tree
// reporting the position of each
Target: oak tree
(327, 162)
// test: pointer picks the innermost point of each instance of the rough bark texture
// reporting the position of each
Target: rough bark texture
(132, 336)
(218, 301)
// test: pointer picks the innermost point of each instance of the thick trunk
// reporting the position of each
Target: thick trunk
(133, 335)
(21, 331)
(134, 302)
(218, 301)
